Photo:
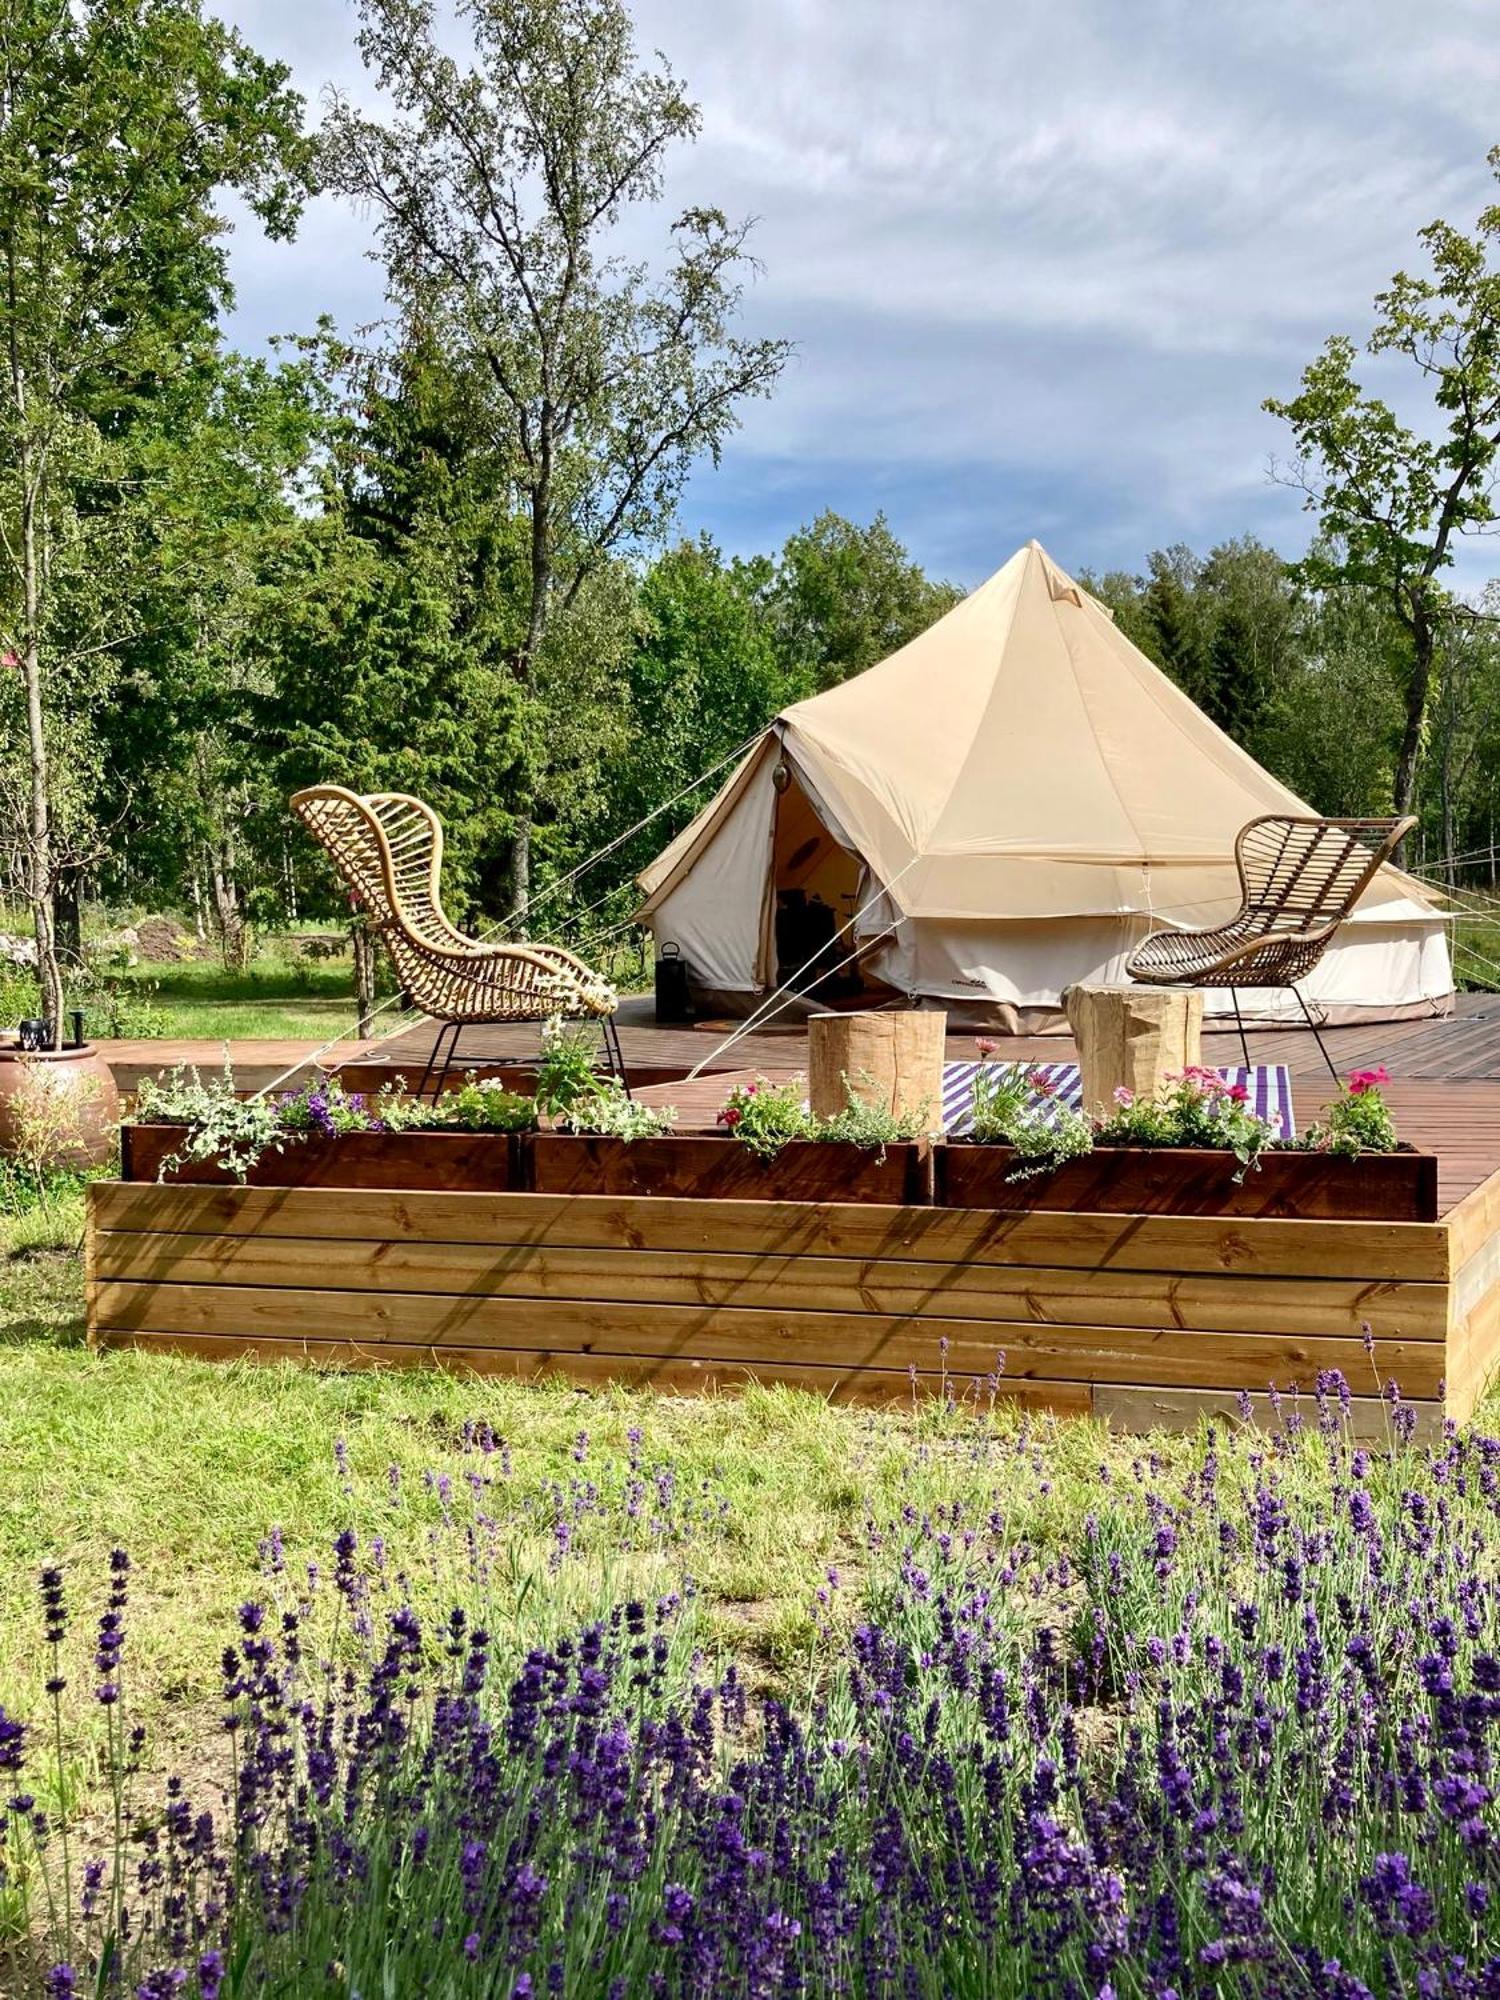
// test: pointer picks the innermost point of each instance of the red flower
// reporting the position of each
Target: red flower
(730, 1117)
(1237, 1093)
(1362, 1080)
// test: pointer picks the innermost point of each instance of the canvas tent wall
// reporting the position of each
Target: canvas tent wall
(1015, 798)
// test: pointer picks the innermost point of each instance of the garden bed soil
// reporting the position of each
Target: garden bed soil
(722, 1169)
(1148, 1180)
(453, 1161)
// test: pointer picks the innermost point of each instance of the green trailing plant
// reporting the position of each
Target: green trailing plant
(231, 1131)
(1358, 1120)
(609, 1114)
(480, 1105)
(873, 1126)
(767, 1116)
(568, 1071)
(1198, 1108)
(1017, 1106)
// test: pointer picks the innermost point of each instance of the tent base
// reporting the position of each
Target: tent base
(1004, 1018)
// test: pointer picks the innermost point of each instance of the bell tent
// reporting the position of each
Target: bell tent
(1003, 807)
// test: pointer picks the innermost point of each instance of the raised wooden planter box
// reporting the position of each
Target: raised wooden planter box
(1150, 1180)
(463, 1161)
(721, 1169)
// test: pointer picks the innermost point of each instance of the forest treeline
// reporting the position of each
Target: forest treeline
(443, 554)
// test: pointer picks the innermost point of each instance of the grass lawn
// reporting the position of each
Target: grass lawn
(273, 999)
(191, 1465)
(784, 1523)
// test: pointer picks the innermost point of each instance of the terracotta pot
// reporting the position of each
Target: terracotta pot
(58, 1105)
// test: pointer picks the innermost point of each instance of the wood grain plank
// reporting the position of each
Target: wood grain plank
(1324, 1306)
(861, 1340)
(1251, 1246)
(600, 1371)
(1474, 1221)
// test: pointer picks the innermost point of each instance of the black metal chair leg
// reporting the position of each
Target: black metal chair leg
(614, 1053)
(432, 1061)
(1239, 1022)
(448, 1062)
(1322, 1045)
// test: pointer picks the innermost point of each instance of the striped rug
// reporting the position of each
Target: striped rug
(1270, 1087)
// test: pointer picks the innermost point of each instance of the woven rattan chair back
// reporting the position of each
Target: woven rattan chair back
(1299, 879)
(388, 848)
(1302, 877)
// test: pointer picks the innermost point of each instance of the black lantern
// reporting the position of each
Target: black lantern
(672, 1001)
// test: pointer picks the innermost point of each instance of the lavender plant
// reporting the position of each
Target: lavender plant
(1241, 1738)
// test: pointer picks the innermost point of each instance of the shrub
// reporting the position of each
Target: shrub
(1358, 1120)
(767, 1116)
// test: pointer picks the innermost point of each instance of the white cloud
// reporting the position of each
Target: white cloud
(1061, 250)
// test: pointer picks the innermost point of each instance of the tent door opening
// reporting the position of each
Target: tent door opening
(816, 885)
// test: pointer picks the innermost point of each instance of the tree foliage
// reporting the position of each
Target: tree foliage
(597, 382)
(1393, 498)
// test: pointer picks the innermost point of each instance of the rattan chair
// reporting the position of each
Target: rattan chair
(388, 848)
(1300, 879)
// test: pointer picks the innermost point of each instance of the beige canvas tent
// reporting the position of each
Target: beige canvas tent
(1004, 806)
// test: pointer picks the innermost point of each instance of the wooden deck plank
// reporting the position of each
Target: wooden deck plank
(1213, 1303)
(1252, 1247)
(1166, 1355)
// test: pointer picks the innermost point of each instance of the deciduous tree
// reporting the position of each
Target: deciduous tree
(500, 191)
(121, 122)
(1394, 498)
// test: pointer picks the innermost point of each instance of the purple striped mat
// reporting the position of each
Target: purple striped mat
(1269, 1084)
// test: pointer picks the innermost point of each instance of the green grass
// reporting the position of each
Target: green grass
(190, 1466)
(273, 999)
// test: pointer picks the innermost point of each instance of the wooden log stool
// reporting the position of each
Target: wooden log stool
(1132, 1037)
(893, 1062)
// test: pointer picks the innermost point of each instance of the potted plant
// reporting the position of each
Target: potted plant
(768, 1148)
(186, 1129)
(1196, 1148)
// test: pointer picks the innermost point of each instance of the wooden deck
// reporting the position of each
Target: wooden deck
(1144, 1320)
(1445, 1088)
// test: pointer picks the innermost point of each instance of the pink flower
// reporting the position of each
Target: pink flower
(1362, 1080)
(985, 1046)
(1237, 1093)
(1124, 1096)
(1041, 1083)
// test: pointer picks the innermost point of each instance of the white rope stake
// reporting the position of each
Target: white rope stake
(788, 986)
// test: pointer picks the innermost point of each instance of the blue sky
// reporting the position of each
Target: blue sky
(1041, 262)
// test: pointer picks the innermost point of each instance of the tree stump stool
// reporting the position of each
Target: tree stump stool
(893, 1062)
(1132, 1037)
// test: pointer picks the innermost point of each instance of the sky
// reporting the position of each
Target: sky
(1041, 260)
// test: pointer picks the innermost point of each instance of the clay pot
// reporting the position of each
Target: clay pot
(58, 1107)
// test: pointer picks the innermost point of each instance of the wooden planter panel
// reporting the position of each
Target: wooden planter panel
(1122, 1180)
(471, 1161)
(1145, 1319)
(710, 1169)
